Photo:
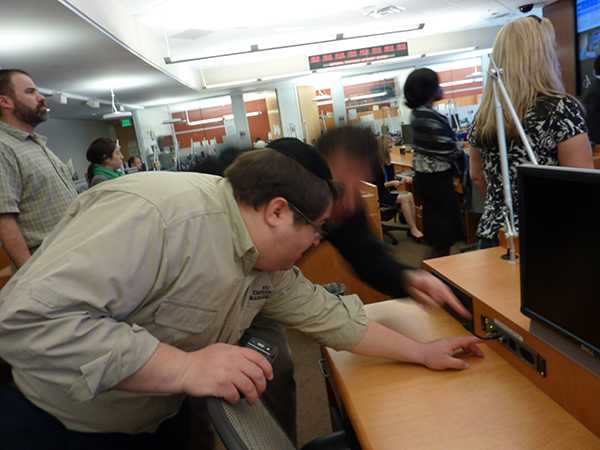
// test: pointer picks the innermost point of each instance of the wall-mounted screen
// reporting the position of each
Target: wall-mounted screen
(588, 35)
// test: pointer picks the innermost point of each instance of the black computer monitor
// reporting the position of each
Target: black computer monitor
(559, 235)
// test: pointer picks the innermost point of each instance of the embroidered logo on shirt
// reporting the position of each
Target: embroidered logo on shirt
(263, 293)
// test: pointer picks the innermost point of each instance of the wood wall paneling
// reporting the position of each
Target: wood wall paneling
(562, 16)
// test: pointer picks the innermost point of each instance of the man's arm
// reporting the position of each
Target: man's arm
(12, 240)
(342, 323)
(382, 342)
(376, 267)
(219, 370)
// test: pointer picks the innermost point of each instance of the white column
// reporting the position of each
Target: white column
(240, 119)
(339, 104)
(289, 111)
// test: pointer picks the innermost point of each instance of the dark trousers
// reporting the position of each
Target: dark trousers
(24, 426)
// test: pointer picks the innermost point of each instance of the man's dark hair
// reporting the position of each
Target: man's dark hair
(421, 87)
(597, 66)
(257, 177)
(356, 142)
(6, 84)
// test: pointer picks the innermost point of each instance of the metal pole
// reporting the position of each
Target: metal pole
(501, 136)
(512, 112)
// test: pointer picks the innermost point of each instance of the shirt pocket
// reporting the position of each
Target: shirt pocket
(180, 321)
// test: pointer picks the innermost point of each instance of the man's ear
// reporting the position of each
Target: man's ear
(6, 102)
(275, 211)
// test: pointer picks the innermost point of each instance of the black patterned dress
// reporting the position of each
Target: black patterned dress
(554, 119)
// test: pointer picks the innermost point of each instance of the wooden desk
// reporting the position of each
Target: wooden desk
(494, 286)
(401, 161)
(395, 406)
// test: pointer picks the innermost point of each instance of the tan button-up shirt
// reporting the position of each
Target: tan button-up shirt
(34, 183)
(146, 258)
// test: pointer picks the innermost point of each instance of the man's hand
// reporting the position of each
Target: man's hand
(224, 370)
(430, 291)
(441, 354)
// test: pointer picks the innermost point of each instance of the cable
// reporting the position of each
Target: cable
(489, 337)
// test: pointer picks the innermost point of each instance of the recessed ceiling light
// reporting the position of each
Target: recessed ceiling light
(386, 11)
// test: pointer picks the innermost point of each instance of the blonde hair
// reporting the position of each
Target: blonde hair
(525, 50)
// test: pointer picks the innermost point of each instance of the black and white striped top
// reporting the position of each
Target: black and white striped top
(434, 141)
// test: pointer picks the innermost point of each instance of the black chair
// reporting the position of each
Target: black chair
(387, 214)
(245, 427)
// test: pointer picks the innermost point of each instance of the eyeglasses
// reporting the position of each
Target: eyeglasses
(319, 231)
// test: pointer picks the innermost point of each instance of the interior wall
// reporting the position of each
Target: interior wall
(562, 16)
(69, 139)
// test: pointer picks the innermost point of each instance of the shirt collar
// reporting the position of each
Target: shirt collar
(242, 242)
(22, 135)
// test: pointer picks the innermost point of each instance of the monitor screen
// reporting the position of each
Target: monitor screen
(560, 249)
(588, 35)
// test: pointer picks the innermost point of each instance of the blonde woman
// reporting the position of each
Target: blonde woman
(526, 51)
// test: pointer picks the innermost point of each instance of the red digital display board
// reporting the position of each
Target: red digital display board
(359, 55)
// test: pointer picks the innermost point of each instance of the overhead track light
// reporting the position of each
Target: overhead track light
(254, 48)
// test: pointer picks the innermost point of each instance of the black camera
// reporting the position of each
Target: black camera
(526, 8)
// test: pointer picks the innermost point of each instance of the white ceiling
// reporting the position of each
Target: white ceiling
(64, 53)
(201, 28)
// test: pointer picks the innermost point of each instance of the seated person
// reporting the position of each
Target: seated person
(135, 164)
(106, 160)
(384, 179)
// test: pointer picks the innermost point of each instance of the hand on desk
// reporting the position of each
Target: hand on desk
(442, 354)
(430, 291)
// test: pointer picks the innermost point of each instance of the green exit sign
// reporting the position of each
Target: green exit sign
(125, 123)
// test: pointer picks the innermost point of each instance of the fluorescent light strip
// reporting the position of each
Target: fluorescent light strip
(461, 82)
(326, 102)
(477, 88)
(366, 96)
(255, 49)
(450, 52)
(320, 98)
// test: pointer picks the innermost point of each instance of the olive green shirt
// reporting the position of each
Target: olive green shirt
(34, 183)
(150, 257)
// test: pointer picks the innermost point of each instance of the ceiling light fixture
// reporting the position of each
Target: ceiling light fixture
(461, 82)
(191, 123)
(450, 52)
(378, 13)
(116, 113)
(366, 96)
(254, 48)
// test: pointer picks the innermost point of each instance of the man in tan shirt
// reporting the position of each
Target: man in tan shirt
(139, 295)
(35, 186)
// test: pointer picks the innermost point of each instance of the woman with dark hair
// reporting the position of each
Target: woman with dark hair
(104, 155)
(437, 159)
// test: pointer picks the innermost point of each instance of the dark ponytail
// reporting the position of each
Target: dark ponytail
(99, 151)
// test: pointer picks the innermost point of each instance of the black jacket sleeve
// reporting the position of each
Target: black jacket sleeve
(367, 255)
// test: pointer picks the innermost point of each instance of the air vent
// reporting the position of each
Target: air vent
(191, 34)
(385, 11)
(498, 15)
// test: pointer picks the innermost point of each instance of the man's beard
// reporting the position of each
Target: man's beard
(29, 115)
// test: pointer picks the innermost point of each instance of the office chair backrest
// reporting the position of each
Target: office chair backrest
(245, 427)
